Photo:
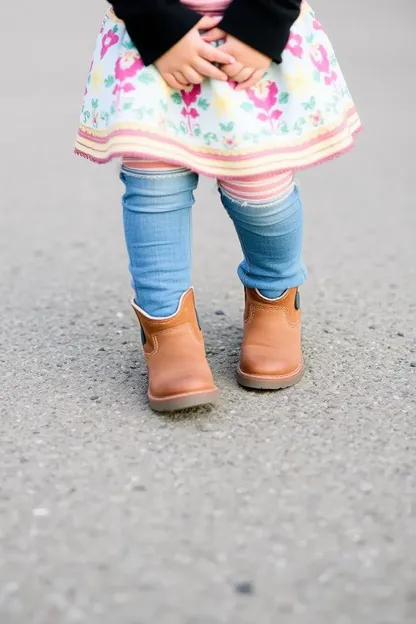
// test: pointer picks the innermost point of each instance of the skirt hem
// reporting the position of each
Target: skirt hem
(226, 172)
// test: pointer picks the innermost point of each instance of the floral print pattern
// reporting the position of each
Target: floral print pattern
(297, 105)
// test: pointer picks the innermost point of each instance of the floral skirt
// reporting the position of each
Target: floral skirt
(301, 113)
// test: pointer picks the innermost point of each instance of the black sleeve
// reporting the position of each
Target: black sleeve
(155, 25)
(263, 24)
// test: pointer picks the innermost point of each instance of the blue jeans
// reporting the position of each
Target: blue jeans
(157, 221)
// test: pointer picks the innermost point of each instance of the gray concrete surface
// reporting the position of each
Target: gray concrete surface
(296, 507)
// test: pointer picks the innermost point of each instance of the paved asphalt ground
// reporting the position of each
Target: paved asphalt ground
(297, 507)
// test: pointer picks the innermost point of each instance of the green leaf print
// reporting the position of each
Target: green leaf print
(109, 81)
(227, 127)
(203, 103)
(146, 77)
(163, 105)
(172, 126)
(142, 112)
(105, 117)
(210, 137)
(333, 60)
(249, 136)
(176, 97)
(317, 76)
(310, 105)
(183, 127)
(113, 109)
(94, 103)
(247, 106)
(284, 98)
(309, 38)
(284, 128)
(127, 105)
(87, 115)
(197, 131)
(128, 44)
(115, 29)
(297, 128)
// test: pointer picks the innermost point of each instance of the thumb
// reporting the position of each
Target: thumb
(207, 22)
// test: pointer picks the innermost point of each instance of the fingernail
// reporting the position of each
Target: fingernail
(231, 60)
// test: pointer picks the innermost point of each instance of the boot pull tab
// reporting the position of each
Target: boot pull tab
(297, 300)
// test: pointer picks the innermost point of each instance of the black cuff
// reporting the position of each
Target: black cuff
(156, 32)
(263, 27)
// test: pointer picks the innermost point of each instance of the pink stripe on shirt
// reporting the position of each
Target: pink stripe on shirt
(207, 6)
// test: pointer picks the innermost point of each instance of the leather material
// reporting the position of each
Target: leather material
(271, 348)
(175, 353)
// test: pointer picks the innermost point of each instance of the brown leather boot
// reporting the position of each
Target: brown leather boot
(271, 353)
(179, 374)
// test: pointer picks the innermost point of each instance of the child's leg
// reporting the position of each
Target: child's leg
(267, 215)
(157, 222)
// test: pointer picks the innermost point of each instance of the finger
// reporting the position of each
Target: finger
(244, 74)
(252, 81)
(232, 70)
(192, 76)
(172, 82)
(206, 22)
(209, 70)
(215, 55)
(180, 78)
(215, 34)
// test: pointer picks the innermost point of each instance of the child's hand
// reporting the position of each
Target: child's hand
(191, 59)
(250, 65)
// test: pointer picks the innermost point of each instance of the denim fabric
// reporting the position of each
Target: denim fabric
(157, 222)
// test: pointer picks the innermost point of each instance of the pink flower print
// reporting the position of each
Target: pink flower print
(89, 77)
(264, 94)
(316, 118)
(189, 112)
(108, 40)
(331, 79)
(320, 59)
(317, 24)
(294, 45)
(128, 65)
(189, 97)
(230, 141)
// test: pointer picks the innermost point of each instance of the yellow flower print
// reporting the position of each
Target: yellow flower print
(299, 83)
(223, 105)
(165, 89)
(261, 89)
(97, 78)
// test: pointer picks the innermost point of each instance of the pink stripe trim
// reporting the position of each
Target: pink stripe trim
(228, 174)
(220, 156)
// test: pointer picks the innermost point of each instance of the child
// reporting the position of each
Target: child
(247, 92)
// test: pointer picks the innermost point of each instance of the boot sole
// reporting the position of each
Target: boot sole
(178, 403)
(267, 383)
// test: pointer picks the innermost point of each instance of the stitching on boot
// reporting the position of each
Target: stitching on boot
(187, 327)
(256, 306)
